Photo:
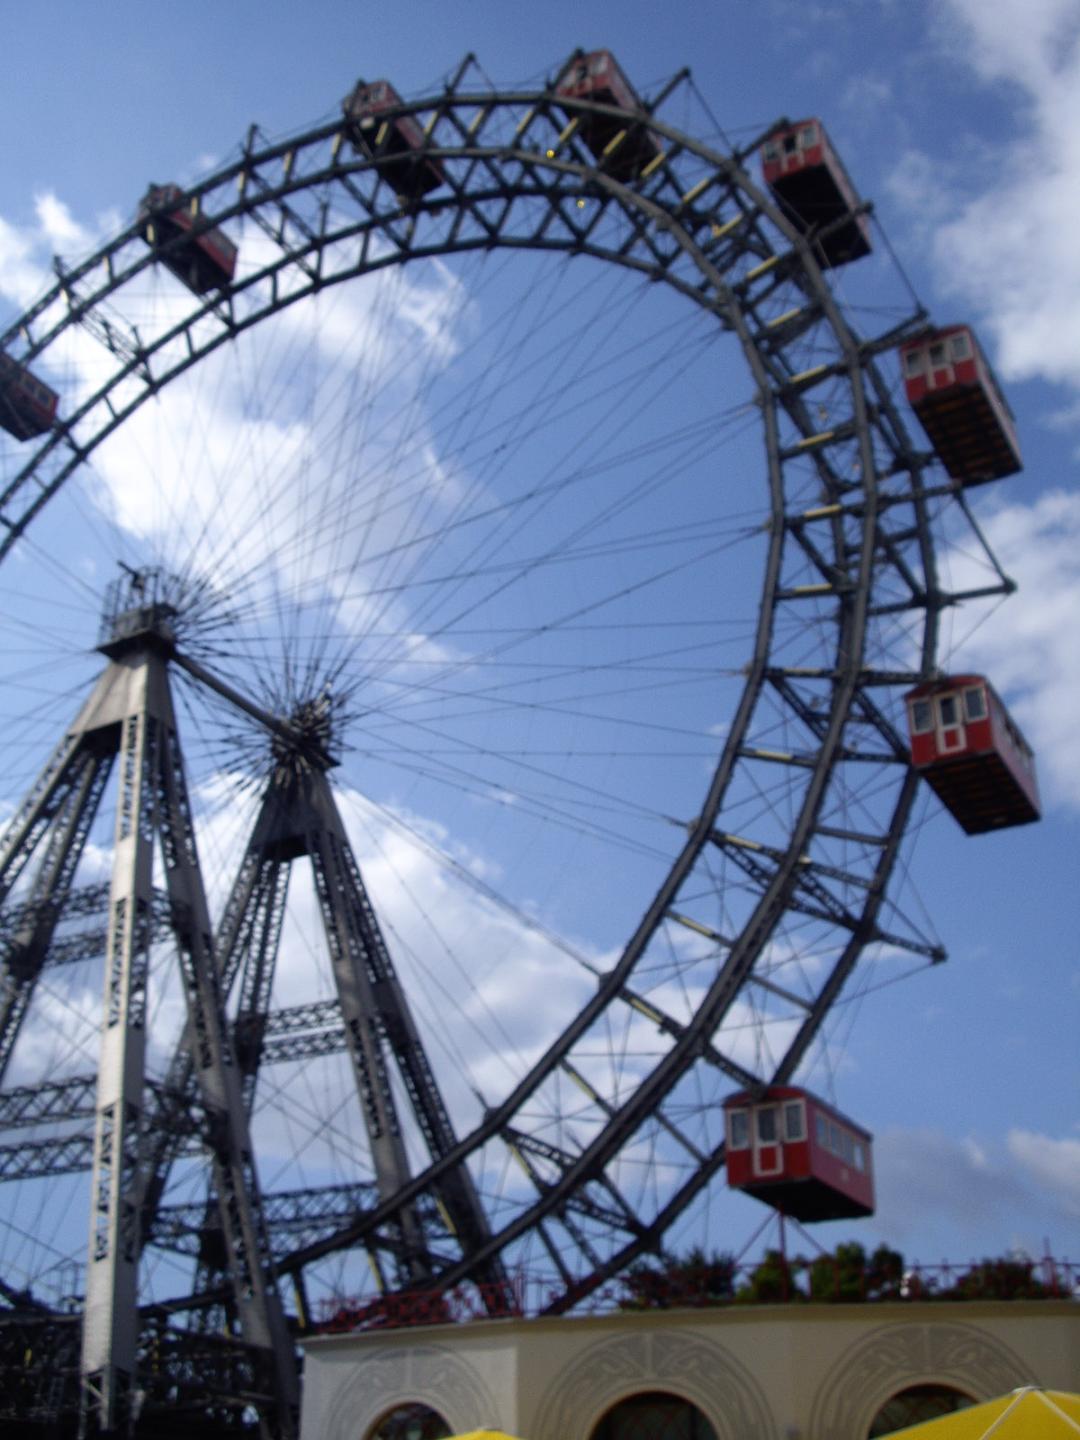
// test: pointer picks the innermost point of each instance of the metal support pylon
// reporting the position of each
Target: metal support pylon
(378, 1022)
(298, 817)
(131, 700)
(128, 728)
(130, 715)
(87, 774)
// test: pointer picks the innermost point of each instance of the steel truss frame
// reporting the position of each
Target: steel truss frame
(129, 716)
(517, 177)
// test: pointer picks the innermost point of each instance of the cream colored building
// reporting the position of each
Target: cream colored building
(785, 1372)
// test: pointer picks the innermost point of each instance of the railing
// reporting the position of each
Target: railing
(404, 1308)
(772, 1281)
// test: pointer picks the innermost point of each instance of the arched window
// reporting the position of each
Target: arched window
(410, 1422)
(916, 1404)
(654, 1415)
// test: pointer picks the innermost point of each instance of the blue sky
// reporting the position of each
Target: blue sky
(959, 121)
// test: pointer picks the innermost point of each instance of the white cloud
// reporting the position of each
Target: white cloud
(938, 1190)
(59, 1037)
(1024, 41)
(923, 1175)
(1028, 647)
(22, 273)
(1007, 250)
(867, 92)
(918, 184)
(58, 227)
(1052, 1165)
(26, 251)
(1010, 250)
(259, 429)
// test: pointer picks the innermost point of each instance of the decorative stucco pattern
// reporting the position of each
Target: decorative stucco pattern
(673, 1360)
(432, 1374)
(894, 1357)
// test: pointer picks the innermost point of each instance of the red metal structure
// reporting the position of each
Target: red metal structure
(969, 749)
(952, 390)
(202, 258)
(622, 150)
(27, 405)
(374, 134)
(790, 1149)
(806, 175)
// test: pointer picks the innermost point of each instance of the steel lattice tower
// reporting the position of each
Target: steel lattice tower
(207, 1095)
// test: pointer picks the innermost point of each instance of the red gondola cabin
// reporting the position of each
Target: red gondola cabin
(27, 405)
(621, 150)
(952, 390)
(200, 256)
(968, 748)
(400, 141)
(790, 1149)
(805, 174)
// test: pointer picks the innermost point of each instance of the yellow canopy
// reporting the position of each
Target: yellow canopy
(483, 1435)
(1027, 1414)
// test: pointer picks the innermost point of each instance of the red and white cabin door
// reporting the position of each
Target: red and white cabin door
(950, 724)
(768, 1152)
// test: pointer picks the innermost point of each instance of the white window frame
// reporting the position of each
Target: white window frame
(928, 716)
(794, 1109)
(959, 346)
(733, 1142)
(975, 696)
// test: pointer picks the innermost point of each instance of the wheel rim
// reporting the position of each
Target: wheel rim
(779, 885)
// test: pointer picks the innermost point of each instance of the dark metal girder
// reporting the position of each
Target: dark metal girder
(80, 945)
(318, 1015)
(676, 1029)
(35, 1159)
(869, 678)
(289, 1215)
(58, 1100)
(226, 1131)
(65, 1101)
(819, 903)
(810, 871)
(530, 1147)
(835, 575)
(783, 330)
(286, 1049)
(27, 944)
(80, 900)
(112, 330)
(810, 714)
(74, 949)
(875, 716)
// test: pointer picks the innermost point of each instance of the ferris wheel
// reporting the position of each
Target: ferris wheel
(509, 553)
